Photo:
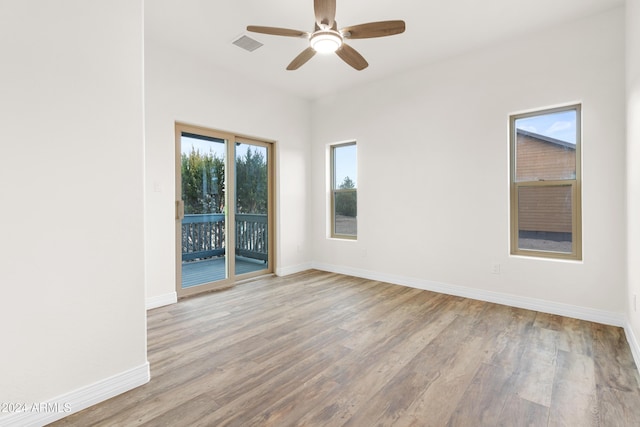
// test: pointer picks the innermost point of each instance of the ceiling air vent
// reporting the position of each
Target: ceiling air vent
(247, 43)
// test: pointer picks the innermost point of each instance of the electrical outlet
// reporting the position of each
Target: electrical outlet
(495, 269)
(635, 302)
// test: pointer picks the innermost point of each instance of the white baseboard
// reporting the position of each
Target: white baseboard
(285, 271)
(75, 401)
(161, 300)
(633, 343)
(582, 313)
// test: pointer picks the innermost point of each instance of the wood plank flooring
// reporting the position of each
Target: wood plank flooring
(323, 349)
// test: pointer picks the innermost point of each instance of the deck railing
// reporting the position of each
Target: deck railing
(251, 236)
(203, 236)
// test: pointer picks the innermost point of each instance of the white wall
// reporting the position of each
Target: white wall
(71, 184)
(432, 152)
(182, 87)
(433, 168)
(633, 159)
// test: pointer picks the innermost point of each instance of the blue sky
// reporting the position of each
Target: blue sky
(201, 145)
(346, 164)
(561, 125)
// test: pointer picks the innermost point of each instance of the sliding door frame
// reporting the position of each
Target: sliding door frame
(230, 207)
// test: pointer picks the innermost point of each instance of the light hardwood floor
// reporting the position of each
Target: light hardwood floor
(323, 349)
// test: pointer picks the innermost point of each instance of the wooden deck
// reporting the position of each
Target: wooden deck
(322, 349)
(213, 269)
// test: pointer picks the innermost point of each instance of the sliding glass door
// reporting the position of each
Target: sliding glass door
(217, 245)
(251, 207)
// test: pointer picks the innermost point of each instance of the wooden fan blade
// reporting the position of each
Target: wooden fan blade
(374, 29)
(300, 60)
(275, 31)
(325, 11)
(352, 57)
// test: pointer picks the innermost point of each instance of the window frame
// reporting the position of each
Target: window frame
(575, 184)
(334, 191)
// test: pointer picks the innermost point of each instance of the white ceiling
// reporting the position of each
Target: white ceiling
(435, 29)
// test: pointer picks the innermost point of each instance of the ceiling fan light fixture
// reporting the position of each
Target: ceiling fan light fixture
(326, 38)
(325, 41)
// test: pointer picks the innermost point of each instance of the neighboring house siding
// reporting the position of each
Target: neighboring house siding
(545, 210)
(539, 159)
(548, 209)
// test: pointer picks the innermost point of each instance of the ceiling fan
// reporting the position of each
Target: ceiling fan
(326, 38)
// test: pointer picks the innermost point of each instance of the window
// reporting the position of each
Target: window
(545, 183)
(344, 200)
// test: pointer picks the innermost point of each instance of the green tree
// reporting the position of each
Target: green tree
(347, 183)
(346, 201)
(202, 182)
(251, 183)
